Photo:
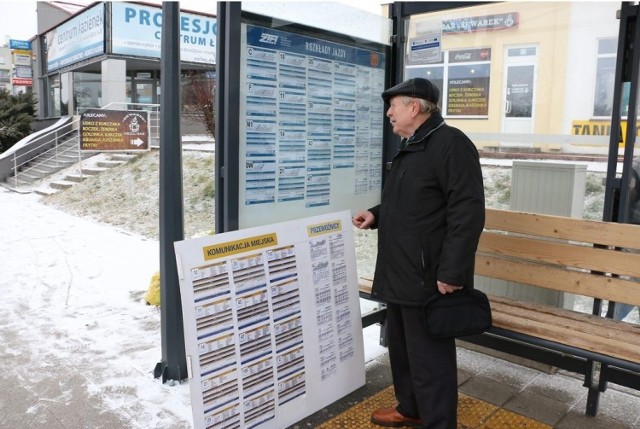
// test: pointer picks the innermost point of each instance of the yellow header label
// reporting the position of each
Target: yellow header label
(239, 246)
(324, 228)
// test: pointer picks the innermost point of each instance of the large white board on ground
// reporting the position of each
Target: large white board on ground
(272, 321)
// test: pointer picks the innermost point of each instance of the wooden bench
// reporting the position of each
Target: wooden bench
(600, 260)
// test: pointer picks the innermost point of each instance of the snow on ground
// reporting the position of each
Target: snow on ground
(73, 304)
(73, 308)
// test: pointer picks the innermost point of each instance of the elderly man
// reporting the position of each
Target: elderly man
(429, 223)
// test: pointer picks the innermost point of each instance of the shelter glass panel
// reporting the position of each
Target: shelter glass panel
(311, 122)
(513, 69)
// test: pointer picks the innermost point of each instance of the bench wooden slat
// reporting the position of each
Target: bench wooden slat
(609, 288)
(606, 233)
(559, 279)
(561, 253)
(584, 331)
(587, 322)
(364, 285)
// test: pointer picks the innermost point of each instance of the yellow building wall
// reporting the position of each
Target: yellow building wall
(542, 24)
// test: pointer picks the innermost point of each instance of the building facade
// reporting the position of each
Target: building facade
(5, 69)
(108, 54)
(532, 68)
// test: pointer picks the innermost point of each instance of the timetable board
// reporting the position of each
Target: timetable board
(311, 126)
(272, 321)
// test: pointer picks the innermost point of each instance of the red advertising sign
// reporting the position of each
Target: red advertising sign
(22, 81)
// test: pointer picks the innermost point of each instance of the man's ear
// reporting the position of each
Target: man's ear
(415, 108)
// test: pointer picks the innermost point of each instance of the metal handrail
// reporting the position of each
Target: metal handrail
(52, 138)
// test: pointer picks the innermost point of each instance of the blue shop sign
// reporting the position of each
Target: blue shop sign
(25, 45)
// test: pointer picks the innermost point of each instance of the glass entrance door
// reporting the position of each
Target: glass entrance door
(519, 90)
(144, 92)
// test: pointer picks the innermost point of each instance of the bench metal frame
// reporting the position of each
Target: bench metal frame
(597, 368)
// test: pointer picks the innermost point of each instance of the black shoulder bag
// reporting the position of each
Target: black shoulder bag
(464, 312)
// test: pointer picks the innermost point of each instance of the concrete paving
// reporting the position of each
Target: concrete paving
(56, 395)
(554, 398)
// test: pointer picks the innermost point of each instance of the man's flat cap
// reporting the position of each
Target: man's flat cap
(418, 88)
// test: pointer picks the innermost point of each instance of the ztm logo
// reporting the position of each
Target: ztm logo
(271, 39)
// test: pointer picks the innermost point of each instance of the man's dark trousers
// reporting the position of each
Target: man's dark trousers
(424, 369)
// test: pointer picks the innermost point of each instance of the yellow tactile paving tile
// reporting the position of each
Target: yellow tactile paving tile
(503, 419)
(359, 416)
(472, 414)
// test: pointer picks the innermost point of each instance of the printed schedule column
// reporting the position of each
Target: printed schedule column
(261, 127)
(292, 126)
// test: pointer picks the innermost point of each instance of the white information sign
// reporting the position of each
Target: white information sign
(272, 322)
(425, 49)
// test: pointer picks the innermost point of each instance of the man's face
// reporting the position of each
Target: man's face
(402, 116)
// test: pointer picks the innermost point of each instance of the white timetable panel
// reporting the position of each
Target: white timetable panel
(272, 321)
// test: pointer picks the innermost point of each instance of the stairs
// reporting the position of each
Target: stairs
(51, 173)
(92, 166)
(62, 156)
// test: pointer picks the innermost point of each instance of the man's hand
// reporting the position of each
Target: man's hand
(446, 288)
(363, 220)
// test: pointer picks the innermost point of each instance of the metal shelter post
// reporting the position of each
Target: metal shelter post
(228, 112)
(617, 188)
(173, 365)
(628, 54)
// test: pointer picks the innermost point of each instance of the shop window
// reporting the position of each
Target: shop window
(129, 89)
(87, 90)
(435, 73)
(605, 77)
(58, 104)
(144, 92)
(463, 80)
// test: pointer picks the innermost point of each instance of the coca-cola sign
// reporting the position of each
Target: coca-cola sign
(470, 55)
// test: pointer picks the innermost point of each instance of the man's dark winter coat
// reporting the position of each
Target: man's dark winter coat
(430, 217)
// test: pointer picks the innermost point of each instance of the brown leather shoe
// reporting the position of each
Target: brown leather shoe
(390, 417)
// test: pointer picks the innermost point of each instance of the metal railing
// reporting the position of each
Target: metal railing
(46, 148)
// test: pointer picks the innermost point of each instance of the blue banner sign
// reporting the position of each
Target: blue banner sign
(137, 29)
(25, 45)
(77, 39)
